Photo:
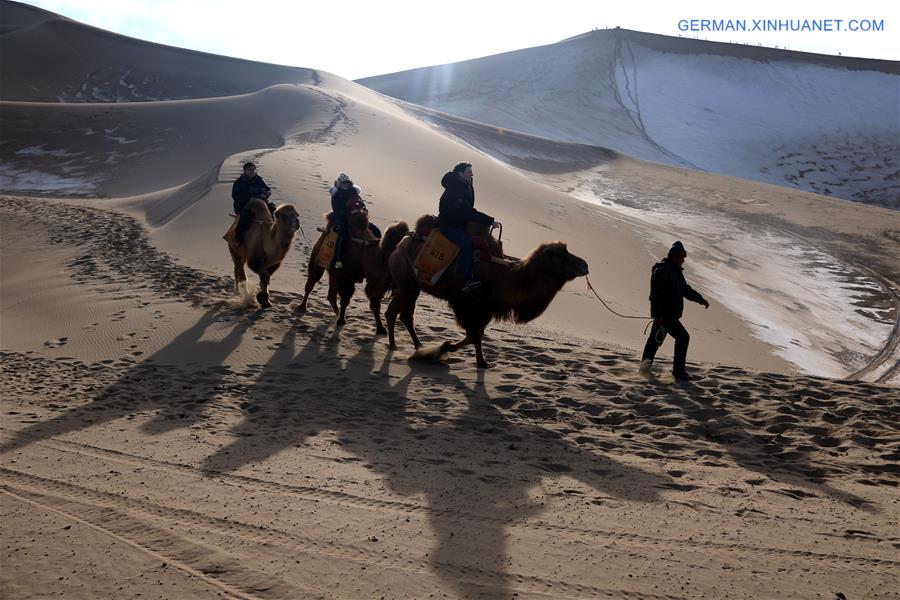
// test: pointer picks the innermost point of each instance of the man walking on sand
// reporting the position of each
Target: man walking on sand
(668, 289)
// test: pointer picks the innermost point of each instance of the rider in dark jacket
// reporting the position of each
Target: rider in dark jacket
(246, 187)
(342, 194)
(668, 290)
(456, 209)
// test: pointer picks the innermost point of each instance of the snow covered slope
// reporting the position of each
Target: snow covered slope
(829, 125)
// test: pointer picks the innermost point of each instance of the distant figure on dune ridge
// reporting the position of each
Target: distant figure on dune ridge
(668, 289)
(267, 240)
(456, 210)
(246, 187)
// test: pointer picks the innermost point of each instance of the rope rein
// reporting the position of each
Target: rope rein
(660, 336)
(593, 291)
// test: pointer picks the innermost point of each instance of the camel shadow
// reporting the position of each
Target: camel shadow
(710, 416)
(179, 392)
(432, 435)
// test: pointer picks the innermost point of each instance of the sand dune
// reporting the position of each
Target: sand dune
(821, 124)
(156, 440)
(408, 479)
(60, 60)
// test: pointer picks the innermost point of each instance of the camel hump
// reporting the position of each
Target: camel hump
(426, 224)
(260, 210)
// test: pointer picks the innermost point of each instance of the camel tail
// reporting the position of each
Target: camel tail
(392, 237)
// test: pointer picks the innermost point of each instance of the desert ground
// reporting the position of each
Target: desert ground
(162, 438)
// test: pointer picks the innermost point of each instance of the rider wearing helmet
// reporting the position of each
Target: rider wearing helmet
(343, 194)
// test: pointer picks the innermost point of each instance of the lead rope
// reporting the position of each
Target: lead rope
(650, 319)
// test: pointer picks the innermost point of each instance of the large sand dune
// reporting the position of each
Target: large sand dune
(817, 123)
(156, 440)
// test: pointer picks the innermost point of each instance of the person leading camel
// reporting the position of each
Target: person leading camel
(457, 207)
(246, 187)
(668, 289)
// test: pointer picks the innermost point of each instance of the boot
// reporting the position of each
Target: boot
(645, 370)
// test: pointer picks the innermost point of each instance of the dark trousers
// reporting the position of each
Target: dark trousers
(658, 334)
(466, 250)
(245, 218)
(342, 228)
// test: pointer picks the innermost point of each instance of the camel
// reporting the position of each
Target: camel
(514, 290)
(266, 242)
(364, 258)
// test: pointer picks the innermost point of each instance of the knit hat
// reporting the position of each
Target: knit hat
(677, 248)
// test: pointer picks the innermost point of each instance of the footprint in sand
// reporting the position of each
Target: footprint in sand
(57, 343)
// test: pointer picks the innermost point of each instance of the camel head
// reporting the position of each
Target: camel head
(287, 217)
(554, 258)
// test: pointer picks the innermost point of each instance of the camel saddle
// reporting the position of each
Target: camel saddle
(437, 253)
(327, 249)
(232, 231)
(434, 257)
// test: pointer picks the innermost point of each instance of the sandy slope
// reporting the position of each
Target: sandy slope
(270, 456)
(157, 441)
(816, 123)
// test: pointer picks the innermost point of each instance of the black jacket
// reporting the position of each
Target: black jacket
(457, 205)
(668, 289)
(245, 188)
(340, 198)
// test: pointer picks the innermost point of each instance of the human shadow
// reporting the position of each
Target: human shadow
(428, 433)
(178, 391)
(723, 419)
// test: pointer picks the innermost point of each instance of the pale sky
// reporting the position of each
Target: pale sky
(359, 38)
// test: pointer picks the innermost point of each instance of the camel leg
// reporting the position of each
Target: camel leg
(393, 309)
(345, 290)
(407, 317)
(453, 347)
(313, 275)
(479, 354)
(240, 277)
(263, 296)
(332, 293)
(375, 297)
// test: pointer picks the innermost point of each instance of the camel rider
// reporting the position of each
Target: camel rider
(246, 187)
(457, 208)
(668, 290)
(344, 195)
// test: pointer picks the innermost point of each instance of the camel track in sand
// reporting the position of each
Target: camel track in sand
(126, 518)
(338, 498)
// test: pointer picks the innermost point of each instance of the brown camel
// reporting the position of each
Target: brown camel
(364, 258)
(266, 242)
(514, 290)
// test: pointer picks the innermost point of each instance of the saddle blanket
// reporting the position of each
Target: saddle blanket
(326, 250)
(434, 258)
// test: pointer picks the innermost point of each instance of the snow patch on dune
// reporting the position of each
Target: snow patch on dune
(806, 304)
(40, 151)
(34, 181)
